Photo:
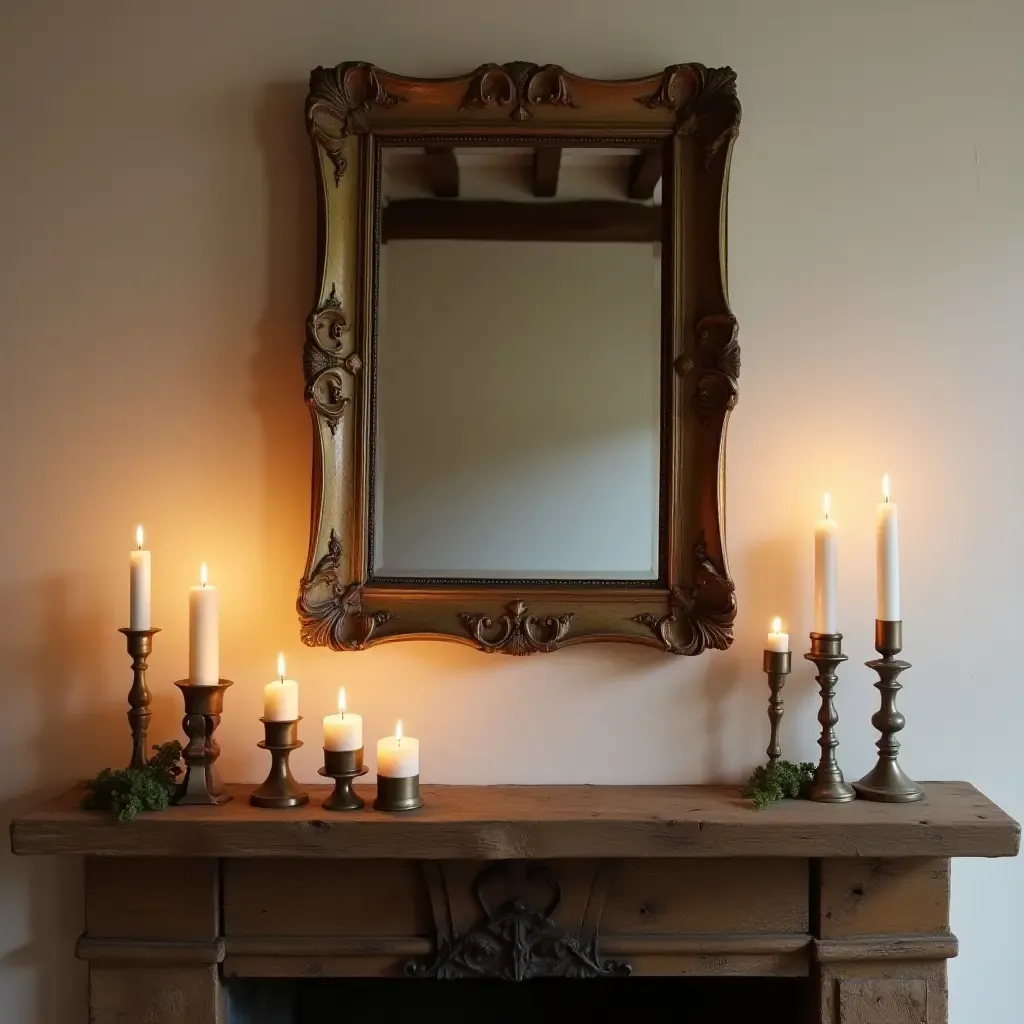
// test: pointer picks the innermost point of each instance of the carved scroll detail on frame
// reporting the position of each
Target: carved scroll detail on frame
(344, 96)
(518, 633)
(520, 83)
(718, 352)
(323, 364)
(330, 612)
(702, 616)
(514, 942)
(709, 108)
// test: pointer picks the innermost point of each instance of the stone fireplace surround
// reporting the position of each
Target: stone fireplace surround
(526, 884)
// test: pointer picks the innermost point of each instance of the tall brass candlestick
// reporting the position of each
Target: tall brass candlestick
(140, 645)
(776, 666)
(203, 708)
(887, 782)
(829, 786)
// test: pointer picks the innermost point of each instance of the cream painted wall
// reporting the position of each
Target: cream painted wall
(156, 217)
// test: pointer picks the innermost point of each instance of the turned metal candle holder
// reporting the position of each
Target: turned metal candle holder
(140, 645)
(777, 666)
(203, 708)
(887, 782)
(829, 786)
(344, 766)
(279, 789)
(398, 794)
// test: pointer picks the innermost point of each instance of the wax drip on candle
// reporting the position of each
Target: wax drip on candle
(138, 536)
(885, 488)
(398, 734)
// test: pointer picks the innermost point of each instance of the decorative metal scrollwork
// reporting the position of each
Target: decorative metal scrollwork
(513, 942)
(701, 616)
(344, 95)
(518, 633)
(709, 108)
(323, 364)
(330, 612)
(521, 83)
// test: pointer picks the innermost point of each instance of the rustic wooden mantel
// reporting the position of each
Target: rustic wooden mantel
(684, 880)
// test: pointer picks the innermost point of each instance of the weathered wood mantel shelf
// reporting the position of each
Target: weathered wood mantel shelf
(517, 882)
(507, 822)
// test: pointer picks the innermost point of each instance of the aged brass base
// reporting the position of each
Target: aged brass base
(398, 794)
(203, 708)
(140, 645)
(887, 782)
(344, 766)
(829, 786)
(777, 666)
(280, 789)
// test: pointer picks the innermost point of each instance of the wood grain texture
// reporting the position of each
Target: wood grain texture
(883, 1002)
(508, 822)
(152, 898)
(359, 898)
(898, 992)
(707, 897)
(866, 896)
(166, 995)
(888, 947)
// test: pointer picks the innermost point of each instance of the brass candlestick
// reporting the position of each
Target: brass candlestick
(398, 794)
(203, 708)
(828, 786)
(344, 766)
(887, 782)
(279, 789)
(140, 645)
(777, 666)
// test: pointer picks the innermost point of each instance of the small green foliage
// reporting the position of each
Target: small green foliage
(127, 791)
(776, 781)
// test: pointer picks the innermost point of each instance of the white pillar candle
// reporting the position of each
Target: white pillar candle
(139, 586)
(826, 545)
(203, 640)
(778, 642)
(344, 731)
(888, 557)
(281, 697)
(398, 756)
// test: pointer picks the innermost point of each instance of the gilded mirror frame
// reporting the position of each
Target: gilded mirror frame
(693, 113)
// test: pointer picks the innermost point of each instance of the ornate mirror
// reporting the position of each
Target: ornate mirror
(521, 360)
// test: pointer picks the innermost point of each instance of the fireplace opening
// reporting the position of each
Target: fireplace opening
(684, 1000)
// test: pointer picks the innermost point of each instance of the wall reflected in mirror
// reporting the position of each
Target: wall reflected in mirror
(518, 364)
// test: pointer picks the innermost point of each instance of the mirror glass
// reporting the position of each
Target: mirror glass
(517, 401)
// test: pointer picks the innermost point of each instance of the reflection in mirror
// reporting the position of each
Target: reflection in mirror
(518, 364)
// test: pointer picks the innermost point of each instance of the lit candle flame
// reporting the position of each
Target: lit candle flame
(776, 625)
(398, 733)
(885, 487)
(341, 701)
(202, 574)
(138, 537)
(827, 504)
(280, 666)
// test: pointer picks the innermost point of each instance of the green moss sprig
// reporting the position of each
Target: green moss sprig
(778, 780)
(128, 791)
